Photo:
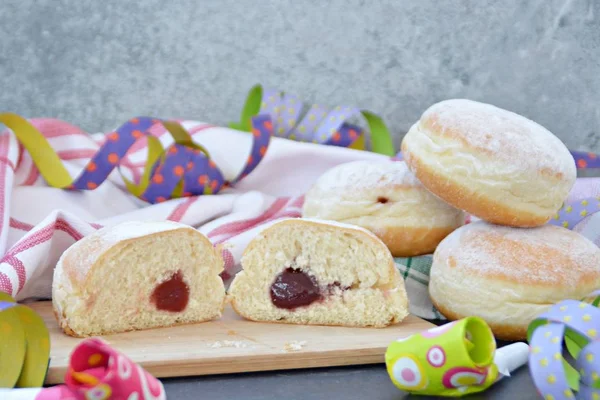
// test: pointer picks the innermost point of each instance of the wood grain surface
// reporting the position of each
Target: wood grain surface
(232, 345)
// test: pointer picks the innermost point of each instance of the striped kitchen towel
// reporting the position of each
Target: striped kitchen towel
(38, 222)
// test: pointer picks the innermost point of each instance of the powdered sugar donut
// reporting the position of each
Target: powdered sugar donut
(492, 163)
(509, 276)
(385, 198)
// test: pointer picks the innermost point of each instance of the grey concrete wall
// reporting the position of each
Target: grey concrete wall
(97, 63)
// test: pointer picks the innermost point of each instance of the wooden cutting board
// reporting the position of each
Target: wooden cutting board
(232, 344)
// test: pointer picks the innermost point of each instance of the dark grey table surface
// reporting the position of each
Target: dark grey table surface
(349, 383)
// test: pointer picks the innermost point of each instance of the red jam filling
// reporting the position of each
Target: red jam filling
(171, 295)
(382, 199)
(294, 288)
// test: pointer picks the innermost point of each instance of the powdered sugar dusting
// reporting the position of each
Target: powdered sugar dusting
(227, 343)
(340, 225)
(505, 134)
(136, 229)
(83, 254)
(360, 175)
(294, 346)
(546, 255)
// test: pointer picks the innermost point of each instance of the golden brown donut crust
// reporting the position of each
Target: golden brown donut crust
(412, 242)
(509, 276)
(460, 196)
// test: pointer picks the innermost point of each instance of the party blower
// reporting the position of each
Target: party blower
(96, 372)
(452, 360)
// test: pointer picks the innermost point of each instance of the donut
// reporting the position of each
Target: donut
(137, 275)
(490, 162)
(509, 276)
(311, 272)
(385, 198)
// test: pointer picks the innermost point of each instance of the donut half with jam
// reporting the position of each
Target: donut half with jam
(137, 275)
(306, 271)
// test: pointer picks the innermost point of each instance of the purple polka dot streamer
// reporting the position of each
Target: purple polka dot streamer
(317, 125)
(179, 163)
(575, 324)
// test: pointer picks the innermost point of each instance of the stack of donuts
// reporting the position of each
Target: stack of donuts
(510, 175)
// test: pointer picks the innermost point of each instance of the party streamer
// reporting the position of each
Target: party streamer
(293, 120)
(585, 160)
(24, 345)
(99, 372)
(573, 212)
(452, 360)
(183, 169)
(576, 324)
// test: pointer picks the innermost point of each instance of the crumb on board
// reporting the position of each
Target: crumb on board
(227, 343)
(294, 345)
(231, 333)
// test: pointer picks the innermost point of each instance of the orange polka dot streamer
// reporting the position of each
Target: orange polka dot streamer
(183, 169)
(585, 159)
(572, 327)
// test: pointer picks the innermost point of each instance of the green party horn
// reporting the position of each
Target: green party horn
(24, 345)
(452, 360)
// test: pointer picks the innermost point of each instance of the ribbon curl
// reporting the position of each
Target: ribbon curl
(183, 169)
(96, 371)
(577, 325)
(99, 372)
(24, 345)
(293, 120)
(586, 160)
(573, 212)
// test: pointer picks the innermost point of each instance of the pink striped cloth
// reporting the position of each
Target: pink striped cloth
(37, 222)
